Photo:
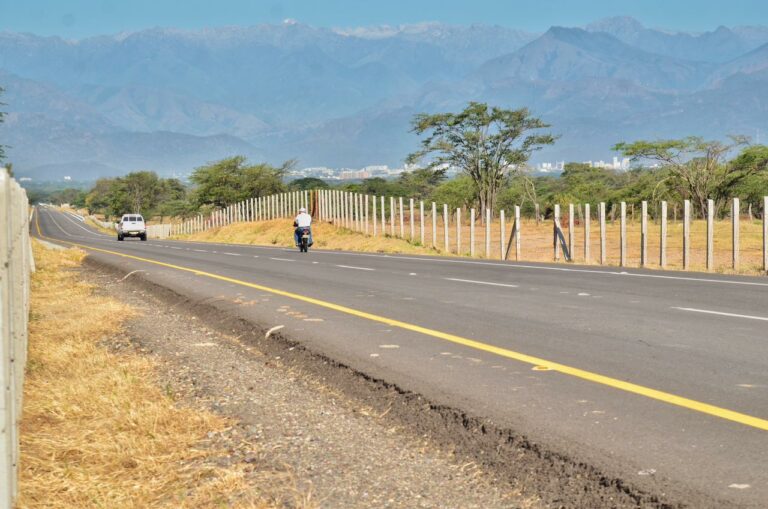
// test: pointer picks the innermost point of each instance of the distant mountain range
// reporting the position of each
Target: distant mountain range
(170, 100)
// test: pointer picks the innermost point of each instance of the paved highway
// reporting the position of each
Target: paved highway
(659, 377)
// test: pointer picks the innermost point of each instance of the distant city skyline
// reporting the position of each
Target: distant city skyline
(84, 18)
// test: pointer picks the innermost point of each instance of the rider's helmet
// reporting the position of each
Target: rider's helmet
(302, 209)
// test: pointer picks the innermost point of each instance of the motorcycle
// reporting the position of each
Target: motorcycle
(304, 240)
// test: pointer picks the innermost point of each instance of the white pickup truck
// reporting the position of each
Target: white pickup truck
(131, 225)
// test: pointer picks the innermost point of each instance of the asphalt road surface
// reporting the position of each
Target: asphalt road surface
(659, 377)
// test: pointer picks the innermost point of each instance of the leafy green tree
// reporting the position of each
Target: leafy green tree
(72, 196)
(421, 182)
(381, 187)
(232, 180)
(97, 198)
(754, 162)
(457, 192)
(696, 166)
(308, 184)
(486, 143)
(138, 192)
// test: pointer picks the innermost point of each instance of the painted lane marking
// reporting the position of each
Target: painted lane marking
(232, 254)
(355, 268)
(282, 259)
(200, 250)
(478, 282)
(720, 313)
(509, 265)
(665, 397)
(69, 216)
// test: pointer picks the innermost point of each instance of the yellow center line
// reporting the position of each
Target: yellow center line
(648, 392)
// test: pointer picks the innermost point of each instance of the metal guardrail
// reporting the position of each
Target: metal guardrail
(16, 264)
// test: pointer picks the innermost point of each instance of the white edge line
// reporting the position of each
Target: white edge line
(479, 282)
(492, 264)
(721, 313)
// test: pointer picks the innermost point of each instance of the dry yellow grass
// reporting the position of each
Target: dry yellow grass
(536, 242)
(326, 236)
(96, 430)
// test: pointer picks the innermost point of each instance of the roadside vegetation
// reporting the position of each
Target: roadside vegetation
(97, 430)
(327, 236)
(490, 147)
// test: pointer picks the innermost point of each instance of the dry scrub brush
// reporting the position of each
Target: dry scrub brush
(96, 430)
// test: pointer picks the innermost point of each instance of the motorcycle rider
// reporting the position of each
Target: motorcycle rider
(302, 220)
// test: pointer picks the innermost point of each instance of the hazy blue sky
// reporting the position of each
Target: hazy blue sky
(80, 18)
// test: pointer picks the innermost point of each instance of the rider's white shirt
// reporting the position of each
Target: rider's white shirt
(303, 220)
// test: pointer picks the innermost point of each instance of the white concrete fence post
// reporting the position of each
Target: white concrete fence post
(586, 233)
(446, 240)
(402, 217)
(502, 234)
(487, 233)
(765, 234)
(555, 226)
(644, 234)
(392, 212)
(410, 220)
(570, 230)
(365, 213)
(735, 210)
(375, 218)
(518, 231)
(458, 231)
(623, 236)
(434, 224)
(710, 234)
(602, 233)
(686, 234)
(383, 218)
(421, 221)
(663, 236)
(472, 232)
